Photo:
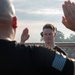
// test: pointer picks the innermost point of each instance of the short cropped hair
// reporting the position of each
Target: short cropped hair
(49, 26)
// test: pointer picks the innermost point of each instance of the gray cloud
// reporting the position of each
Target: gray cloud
(30, 9)
(26, 16)
(36, 4)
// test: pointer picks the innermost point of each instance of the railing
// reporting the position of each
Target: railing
(69, 47)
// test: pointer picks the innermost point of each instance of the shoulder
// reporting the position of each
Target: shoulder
(59, 49)
(31, 48)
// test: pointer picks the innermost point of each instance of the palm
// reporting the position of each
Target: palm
(25, 35)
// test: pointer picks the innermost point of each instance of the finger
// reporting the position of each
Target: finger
(65, 11)
(70, 6)
(25, 31)
(71, 10)
(64, 21)
(67, 24)
(28, 36)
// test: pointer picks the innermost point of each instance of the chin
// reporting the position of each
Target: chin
(48, 42)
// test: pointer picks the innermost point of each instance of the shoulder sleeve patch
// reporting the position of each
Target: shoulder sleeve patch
(59, 61)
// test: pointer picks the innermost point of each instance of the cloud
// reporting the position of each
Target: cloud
(42, 14)
(38, 10)
(41, 11)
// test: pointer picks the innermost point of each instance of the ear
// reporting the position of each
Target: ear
(54, 34)
(41, 34)
(14, 22)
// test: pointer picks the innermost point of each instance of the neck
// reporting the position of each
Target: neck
(48, 45)
(6, 39)
(7, 34)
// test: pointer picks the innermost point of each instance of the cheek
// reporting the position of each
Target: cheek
(44, 36)
(52, 36)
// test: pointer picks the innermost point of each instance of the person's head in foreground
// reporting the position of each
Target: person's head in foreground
(8, 20)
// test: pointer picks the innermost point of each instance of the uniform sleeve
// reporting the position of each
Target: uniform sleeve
(60, 50)
(52, 62)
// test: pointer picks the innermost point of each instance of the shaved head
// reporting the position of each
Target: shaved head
(8, 20)
(6, 9)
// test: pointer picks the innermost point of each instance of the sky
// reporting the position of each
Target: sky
(34, 14)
